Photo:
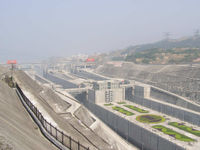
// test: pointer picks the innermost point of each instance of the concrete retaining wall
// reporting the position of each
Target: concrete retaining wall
(173, 99)
(139, 91)
(179, 113)
(128, 92)
(191, 117)
(133, 133)
(91, 95)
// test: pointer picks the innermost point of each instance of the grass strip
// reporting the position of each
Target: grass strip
(173, 133)
(110, 104)
(185, 128)
(121, 102)
(123, 111)
(136, 109)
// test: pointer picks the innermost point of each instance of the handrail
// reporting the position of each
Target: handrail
(61, 137)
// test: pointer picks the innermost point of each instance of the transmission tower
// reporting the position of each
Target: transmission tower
(166, 38)
(196, 34)
(167, 35)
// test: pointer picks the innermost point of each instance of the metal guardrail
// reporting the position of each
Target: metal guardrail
(64, 139)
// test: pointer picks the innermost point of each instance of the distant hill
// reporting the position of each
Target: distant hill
(178, 51)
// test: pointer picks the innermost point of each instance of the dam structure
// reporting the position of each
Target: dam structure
(69, 116)
(137, 133)
(121, 103)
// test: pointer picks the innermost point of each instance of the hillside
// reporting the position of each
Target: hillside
(161, 56)
(17, 130)
(183, 80)
(177, 51)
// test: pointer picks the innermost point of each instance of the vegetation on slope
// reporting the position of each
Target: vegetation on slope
(162, 52)
(162, 56)
(191, 42)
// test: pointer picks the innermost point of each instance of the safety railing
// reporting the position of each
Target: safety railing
(53, 131)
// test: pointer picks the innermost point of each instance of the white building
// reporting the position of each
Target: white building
(106, 92)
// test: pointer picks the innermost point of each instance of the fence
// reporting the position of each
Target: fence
(53, 131)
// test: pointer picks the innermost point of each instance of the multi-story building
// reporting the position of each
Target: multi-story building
(106, 92)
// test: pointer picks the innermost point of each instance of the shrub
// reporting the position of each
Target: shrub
(123, 111)
(121, 102)
(136, 109)
(110, 104)
(185, 128)
(173, 133)
(150, 118)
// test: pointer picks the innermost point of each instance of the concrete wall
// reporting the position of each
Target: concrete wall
(179, 113)
(99, 96)
(118, 94)
(80, 96)
(173, 99)
(191, 117)
(91, 95)
(128, 92)
(139, 91)
(133, 133)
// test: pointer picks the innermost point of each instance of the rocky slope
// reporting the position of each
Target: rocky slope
(183, 80)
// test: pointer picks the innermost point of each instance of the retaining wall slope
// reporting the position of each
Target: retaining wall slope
(17, 130)
(183, 80)
(56, 107)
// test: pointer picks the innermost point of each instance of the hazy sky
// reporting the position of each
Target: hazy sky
(36, 29)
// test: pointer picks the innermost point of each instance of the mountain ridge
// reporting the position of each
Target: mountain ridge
(168, 51)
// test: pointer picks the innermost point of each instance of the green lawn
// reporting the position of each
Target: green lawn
(185, 128)
(136, 109)
(110, 104)
(173, 133)
(123, 111)
(150, 118)
(121, 102)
